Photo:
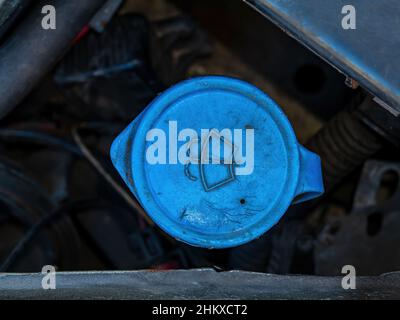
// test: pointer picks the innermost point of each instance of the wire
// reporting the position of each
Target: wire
(81, 150)
(39, 138)
(21, 246)
(115, 185)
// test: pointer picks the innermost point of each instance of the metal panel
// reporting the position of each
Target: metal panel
(194, 284)
(370, 54)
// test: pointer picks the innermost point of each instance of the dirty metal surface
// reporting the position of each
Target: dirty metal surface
(195, 284)
(368, 237)
(368, 54)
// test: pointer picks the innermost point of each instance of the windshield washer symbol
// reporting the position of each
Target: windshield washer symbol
(227, 161)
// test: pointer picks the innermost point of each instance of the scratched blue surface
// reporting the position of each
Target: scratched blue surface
(227, 209)
(370, 54)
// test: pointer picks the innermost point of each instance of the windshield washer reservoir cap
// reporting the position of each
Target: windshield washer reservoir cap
(215, 205)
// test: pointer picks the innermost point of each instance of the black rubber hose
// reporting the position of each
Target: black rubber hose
(30, 52)
(343, 145)
(10, 11)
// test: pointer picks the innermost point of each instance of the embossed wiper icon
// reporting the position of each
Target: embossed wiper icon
(205, 160)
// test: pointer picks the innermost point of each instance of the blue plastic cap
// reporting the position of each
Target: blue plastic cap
(215, 162)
